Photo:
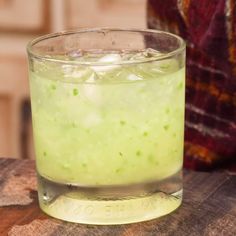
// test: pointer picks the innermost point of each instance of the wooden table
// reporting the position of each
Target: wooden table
(209, 208)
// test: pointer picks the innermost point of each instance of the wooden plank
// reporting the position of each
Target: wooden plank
(209, 208)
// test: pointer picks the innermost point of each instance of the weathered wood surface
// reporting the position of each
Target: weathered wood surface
(209, 208)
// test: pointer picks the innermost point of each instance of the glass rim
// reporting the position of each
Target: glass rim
(45, 58)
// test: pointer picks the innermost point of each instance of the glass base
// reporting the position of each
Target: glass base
(110, 205)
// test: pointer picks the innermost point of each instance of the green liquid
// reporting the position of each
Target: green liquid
(95, 127)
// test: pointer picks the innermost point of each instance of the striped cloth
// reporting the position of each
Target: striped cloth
(209, 28)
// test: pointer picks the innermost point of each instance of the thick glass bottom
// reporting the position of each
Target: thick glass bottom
(111, 204)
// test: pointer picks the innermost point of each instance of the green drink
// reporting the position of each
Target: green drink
(108, 133)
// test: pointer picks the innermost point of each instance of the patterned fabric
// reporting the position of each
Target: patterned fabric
(209, 28)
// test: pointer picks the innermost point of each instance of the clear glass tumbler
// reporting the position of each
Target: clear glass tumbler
(108, 123)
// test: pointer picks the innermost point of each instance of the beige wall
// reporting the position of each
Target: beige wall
(22, 20)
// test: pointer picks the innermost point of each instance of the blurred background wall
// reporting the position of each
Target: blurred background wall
(22, 20)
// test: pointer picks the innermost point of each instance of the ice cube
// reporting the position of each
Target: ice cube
(165, 66)
(92, 78)
(110, 58)
(133, 77)
(75, 54)
(150, 52)
(107, 58)
(77, 74)
(91, 91)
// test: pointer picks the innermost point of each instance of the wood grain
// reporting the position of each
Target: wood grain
(209, 208)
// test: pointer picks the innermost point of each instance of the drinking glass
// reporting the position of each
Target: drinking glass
(108, 123)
